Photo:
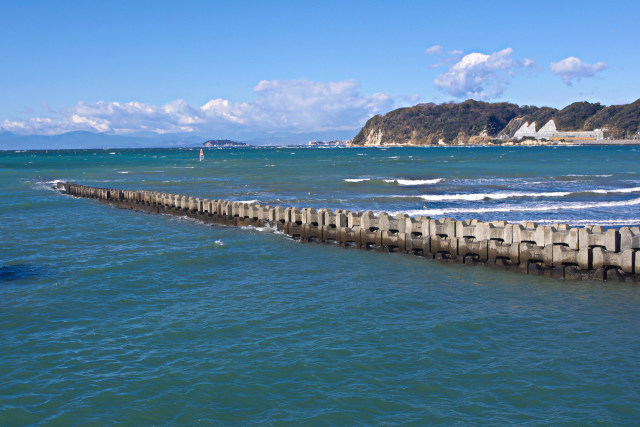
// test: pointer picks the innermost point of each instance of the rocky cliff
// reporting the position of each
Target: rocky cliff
(476, 122)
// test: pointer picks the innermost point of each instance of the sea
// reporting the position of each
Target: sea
(117, 317)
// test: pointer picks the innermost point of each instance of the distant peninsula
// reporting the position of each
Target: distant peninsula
(223, 143)
(483, 123)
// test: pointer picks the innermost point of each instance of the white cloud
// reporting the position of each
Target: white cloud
(280, 105)
(481, 76)
(434, 50)
(455, 52)
(573, 68)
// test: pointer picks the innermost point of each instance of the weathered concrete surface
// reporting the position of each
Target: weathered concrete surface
(557, 250)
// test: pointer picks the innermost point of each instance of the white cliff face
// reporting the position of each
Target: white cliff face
(374, 138)
(547, 131)
(526, 130)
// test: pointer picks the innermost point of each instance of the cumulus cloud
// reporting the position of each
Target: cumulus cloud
(480, 76)
(434, 50)
(280, 105)
(572, 68)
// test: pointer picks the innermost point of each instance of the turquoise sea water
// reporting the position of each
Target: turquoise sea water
(110, 316)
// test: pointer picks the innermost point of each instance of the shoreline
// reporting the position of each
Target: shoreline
(511, 143)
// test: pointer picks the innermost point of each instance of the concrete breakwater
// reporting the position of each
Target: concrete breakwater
(557, 250)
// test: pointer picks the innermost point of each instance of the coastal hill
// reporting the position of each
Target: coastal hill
(223, 143)
(476, 122)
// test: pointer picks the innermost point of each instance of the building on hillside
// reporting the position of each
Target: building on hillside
(549, 131)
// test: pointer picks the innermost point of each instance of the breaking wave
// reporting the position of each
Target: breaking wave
(516, 194)
(415, 181)
(538, 208)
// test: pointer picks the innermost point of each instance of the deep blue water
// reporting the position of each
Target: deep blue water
(110, 316)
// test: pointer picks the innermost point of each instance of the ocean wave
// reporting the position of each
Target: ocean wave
(415, 181)
(627, 221)
(516, 194)
(496, 196)
(48, 185)
(516, 208)
(357, 179)
(599, 176)
(616, 190)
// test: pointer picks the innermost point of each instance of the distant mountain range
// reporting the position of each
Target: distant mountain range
(477, 122)
(89, 140)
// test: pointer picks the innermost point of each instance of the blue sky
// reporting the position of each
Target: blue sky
(234, 68)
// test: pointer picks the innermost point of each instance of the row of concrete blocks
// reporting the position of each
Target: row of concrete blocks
(519, 246)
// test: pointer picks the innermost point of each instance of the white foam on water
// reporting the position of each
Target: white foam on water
(247, 201)
(516, 194)
(496, 196)
(357, 179)
(600, 176)
(585, 221)
(616, 190)
(123, 172)
(112, 153)
(48, 185)
(415, 181)
(539, 208)
(218, 243)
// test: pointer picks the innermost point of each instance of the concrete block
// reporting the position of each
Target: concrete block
(368, 237)
(562, 234)
(293, 215)
(471, 247)
(310, 216)
(395, 224)
(418, 226)
(280, 215)
(468, 228)
(392, 240)
(322, 216)
(443, 227)
(444, 245)
(564, 255)
(356, 219)
(498, 250)
(226, 209)
(623, 260)
(528, 232)
(597, 236)
(530, 253)
(629, 238)
(206, 206)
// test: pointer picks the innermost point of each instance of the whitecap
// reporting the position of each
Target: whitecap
(415, 181)
(497, 196)
(357, 179)
(624, 221)
(516, 208)
(616, 190)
